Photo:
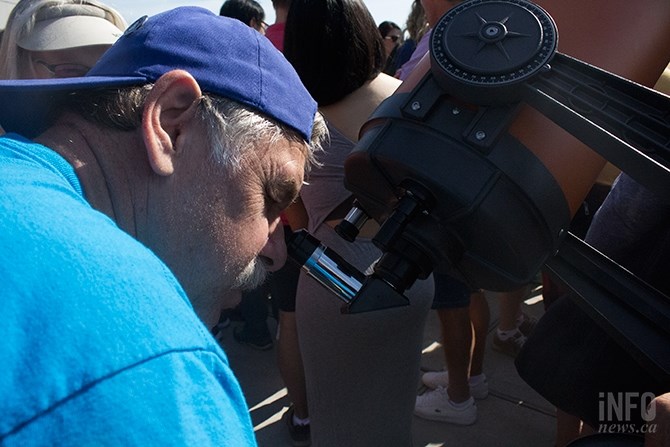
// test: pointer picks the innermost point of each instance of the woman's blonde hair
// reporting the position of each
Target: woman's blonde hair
(22, 20)
(417, 24)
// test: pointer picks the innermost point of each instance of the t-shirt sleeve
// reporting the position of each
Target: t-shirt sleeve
(179, 398)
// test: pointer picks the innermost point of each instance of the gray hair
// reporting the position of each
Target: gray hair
(21, 21)
(232, 128)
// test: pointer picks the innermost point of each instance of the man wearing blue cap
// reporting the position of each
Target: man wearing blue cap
(129, 198)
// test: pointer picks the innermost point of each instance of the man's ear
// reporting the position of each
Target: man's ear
(169, 108)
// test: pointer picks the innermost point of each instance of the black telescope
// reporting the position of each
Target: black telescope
(454, 191)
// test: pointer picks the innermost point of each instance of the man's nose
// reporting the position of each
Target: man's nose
(274, 251)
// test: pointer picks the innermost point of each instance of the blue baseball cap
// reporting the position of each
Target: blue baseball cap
(226, 57)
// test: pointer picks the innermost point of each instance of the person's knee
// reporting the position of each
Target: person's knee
(658, 433)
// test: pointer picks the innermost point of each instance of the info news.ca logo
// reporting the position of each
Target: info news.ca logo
(621, 412)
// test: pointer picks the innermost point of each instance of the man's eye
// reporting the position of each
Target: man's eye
(273, 206)
(279, 196)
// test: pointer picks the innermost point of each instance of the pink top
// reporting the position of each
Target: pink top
(275, 33)
(420, 51)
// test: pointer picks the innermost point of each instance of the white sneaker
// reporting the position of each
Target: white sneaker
(437, 379)
(510, 346)
(435, 405)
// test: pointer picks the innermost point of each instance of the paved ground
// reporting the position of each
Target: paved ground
(513, 415)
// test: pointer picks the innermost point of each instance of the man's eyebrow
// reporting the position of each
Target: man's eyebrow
(283, 190)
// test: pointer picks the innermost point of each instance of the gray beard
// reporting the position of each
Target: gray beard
(252, 276)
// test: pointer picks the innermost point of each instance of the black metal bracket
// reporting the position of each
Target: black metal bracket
(626, 123)
(633, 313)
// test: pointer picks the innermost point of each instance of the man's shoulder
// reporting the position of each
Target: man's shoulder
(88, 341)
(82, 299)
(185, 397)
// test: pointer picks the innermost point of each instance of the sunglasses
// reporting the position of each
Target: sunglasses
(65, 70)
(394, 38)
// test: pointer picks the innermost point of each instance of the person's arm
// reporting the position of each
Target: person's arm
(184, 397)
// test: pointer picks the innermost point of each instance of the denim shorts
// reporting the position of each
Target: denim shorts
(450, 293)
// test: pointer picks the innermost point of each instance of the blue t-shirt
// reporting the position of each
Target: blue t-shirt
(99, 343)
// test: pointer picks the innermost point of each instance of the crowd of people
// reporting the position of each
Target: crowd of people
(150, 178)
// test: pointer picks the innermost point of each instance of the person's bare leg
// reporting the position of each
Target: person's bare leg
(457, 342)
(480, 317)
(289, 362)
(510, 308)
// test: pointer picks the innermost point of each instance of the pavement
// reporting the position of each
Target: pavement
(512, 415)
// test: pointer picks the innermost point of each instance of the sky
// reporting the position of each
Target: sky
(394, 10)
